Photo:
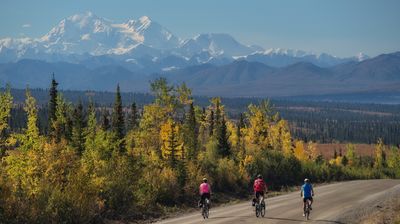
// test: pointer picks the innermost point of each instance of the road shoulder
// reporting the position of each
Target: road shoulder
(382, 208)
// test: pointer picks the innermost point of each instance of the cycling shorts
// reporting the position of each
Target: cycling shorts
(204, 196)
(259, 193)
(307, 198)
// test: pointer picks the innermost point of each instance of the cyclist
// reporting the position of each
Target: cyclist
(259, 187)
(205, 191)
(307, 192)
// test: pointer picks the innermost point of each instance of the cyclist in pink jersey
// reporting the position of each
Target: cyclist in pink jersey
(205, 191)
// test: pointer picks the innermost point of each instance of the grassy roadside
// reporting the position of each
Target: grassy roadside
(385, 211)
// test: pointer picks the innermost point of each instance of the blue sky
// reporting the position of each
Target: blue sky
(340, 27)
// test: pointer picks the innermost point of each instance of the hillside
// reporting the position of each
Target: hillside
(240, 78)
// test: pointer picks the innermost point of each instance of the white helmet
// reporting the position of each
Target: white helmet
(306, 180)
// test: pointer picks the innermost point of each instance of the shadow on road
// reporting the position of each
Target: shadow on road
(330, 221)
(228, 217)
(302, 220)
(280, 219)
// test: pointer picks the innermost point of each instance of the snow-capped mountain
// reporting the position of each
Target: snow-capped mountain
(278, 57)
(143, 43)
(361, 57)
(83, 33)
(153, 34)
(88, 33)
(216, 44)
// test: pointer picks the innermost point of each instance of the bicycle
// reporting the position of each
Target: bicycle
(205, 210)
(260, 207)
(307, 210)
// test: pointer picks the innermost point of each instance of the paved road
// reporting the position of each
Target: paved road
(331, 201)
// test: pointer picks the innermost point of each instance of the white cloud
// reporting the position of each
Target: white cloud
(85, 37)
(26, 25)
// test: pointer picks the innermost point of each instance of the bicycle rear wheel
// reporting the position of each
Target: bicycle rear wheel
(257, 210)
(205, 209)
(262, 209)
(307, 210)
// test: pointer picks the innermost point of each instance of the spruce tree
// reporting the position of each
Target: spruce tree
(91, 121)
(173, 147)
(61, 121)
(222, 138)
(203, 131)
(182, 176)
(52, 104)
(345, 161)
(69, 111)
(203, 114)
(6, 102)
(190, 133)
(105, 122)
(218, 113)
(211, 124)
(78, 138)
(133, 117)
(239, 127)
(118, 126)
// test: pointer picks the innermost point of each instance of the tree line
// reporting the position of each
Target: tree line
(345, 124)
(323, 122)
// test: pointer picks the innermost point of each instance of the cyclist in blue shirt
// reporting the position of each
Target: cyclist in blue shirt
(307, 192)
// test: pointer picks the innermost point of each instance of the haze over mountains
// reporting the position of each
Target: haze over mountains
(89, 52)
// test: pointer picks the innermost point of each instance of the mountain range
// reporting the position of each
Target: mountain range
(82, 37)
(89, 52)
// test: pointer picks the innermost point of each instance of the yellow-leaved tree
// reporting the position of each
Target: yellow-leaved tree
(299, 151)
(280, 138)
(394, 159)
(350, 154)
(259, 119)
(274, 135)
(171, 144)
(31, 138)
(147, 139)
(380, 155)
(312, 152)
(286, 138)
(233, 135)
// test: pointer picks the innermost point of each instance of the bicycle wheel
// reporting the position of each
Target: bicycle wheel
(257, 210)
(262, 210)
(307, 210)
(307, 214)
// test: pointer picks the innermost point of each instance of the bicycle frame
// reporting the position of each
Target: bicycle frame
(307, 209)
(260, 206)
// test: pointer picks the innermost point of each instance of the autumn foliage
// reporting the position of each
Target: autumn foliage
(130, 162)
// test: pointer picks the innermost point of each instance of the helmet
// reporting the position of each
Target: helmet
(306, 180)
(259, 176)
(204, 179)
